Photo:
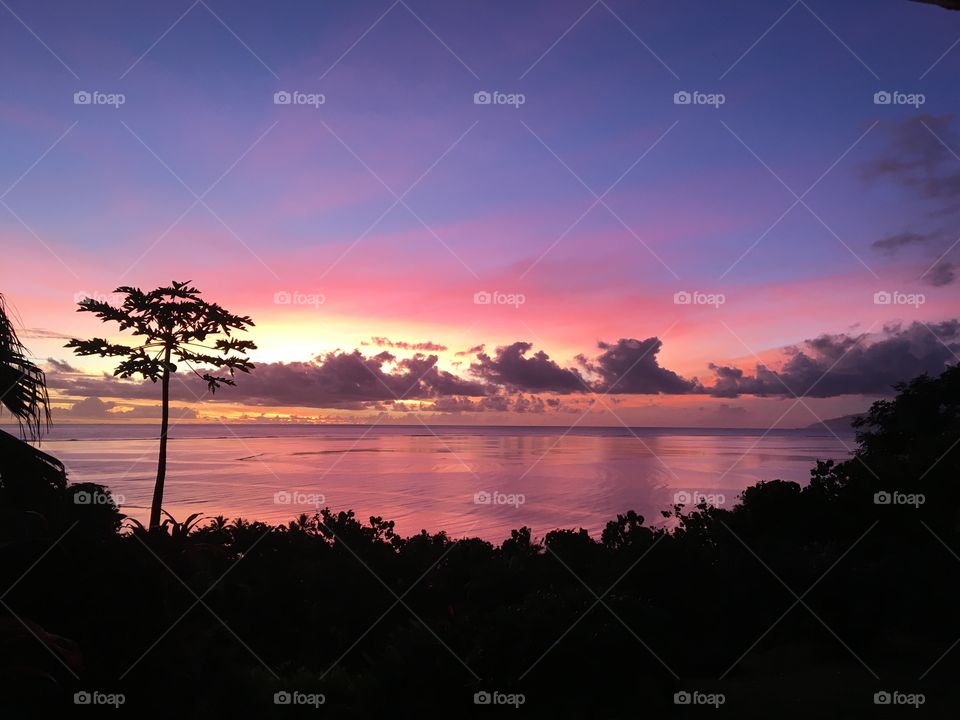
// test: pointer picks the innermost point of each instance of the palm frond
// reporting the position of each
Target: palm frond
(23, 387)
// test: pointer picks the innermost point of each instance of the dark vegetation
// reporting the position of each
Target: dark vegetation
(299, 596)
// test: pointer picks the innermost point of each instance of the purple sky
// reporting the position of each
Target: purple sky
(399, 198)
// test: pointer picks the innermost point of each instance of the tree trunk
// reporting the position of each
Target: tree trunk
(162, 462)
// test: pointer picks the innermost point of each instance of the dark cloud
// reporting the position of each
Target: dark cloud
(832, 365)
(335, 380)
(61, 365)
(421, 346)
(893, 243)
(43, 334)
(512, 369)
(920, 157)
(93, 408)
(630, 366)
(943, 273)
(494, 403)
(471, 351)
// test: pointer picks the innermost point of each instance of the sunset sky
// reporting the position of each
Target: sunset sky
(375, 220)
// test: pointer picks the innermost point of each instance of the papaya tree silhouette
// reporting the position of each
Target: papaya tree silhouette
(175, 324)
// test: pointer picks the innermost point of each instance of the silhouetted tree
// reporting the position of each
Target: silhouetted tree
(175, 323)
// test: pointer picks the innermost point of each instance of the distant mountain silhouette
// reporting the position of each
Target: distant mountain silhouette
(837, 424)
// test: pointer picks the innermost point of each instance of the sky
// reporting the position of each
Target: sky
(538, 212)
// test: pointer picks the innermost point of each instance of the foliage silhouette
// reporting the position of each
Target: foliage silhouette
(23, 389)
(312, 604)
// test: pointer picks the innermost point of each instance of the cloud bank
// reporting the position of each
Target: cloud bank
(516, 378)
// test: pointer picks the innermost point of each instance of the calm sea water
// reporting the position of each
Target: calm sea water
(480, 481)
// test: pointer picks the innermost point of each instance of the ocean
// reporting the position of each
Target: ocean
(467, 480)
